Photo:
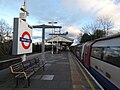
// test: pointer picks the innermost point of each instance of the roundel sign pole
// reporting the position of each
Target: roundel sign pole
(22, 40)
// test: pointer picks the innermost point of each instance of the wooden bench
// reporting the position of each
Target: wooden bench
(24, 70)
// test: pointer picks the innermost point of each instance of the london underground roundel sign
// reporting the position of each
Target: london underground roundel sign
(22, 37)
(25, 40)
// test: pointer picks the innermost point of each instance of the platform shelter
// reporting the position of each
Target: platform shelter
(61, 42)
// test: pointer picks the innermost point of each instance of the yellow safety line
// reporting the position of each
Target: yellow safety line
(88, 80)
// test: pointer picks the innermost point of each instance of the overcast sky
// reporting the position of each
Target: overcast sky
(70, 14)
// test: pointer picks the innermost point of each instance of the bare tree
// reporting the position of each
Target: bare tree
(87, 28)
(105, 23)
(97, 29)
(5, 45)
(91, 28)
(5, 29)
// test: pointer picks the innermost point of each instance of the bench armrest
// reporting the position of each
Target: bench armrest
(19, 72)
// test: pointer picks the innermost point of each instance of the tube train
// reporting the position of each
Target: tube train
(102, 58)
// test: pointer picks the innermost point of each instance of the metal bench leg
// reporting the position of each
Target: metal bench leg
(28, 82)
(43, 68)
(16, 82)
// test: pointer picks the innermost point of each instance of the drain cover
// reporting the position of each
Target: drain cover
(47, 77)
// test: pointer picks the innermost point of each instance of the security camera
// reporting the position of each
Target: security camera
(66, 33)
(23, 8)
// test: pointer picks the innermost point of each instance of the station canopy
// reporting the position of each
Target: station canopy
(60, 39)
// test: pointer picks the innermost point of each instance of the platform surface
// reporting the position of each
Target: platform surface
(62, 72)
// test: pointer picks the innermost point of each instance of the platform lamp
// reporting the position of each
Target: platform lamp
(25, 13)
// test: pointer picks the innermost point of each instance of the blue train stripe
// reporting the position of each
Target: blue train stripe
(103, 81)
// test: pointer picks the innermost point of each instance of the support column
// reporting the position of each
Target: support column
(43, 43)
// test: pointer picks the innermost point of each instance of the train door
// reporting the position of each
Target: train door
(77, 51)
(80, 51)
(87, 55)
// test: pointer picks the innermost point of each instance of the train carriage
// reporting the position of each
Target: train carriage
(105, 61)
(102, 58)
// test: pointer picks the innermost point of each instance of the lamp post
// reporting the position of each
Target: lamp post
(52, 32)
(23, 16)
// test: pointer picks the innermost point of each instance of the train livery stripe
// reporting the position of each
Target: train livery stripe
(107, 84)
(101, 88)
(88, 80)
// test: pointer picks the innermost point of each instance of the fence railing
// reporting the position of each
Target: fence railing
(6, 63)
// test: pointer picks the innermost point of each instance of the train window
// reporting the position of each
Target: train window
(96, 52)
(112, 55)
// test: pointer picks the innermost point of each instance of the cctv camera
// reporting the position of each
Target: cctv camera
(23, 8)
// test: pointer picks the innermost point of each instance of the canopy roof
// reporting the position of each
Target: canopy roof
(60, 38)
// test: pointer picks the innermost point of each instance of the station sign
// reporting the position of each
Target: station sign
(22, 37)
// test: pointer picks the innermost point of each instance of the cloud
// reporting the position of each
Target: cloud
(97, 8)
(70, 14)
(45, 10)
(41, 12)
(36, 37)
(36, 40)
(73, 31)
